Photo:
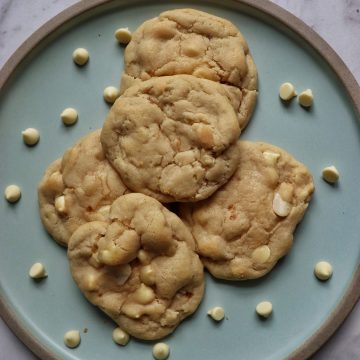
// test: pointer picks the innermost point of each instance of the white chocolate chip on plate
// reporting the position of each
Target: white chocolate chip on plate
(281, 208)
(80, 56)
(120, 336)
(306, 98)
(37, 271)
(330, 174)
(217, 313)
(12, 193)
(30, 136)
(69, 116)
(123, 35)
(111, 93)
(323, 270)
(271, 157)
(72, 338)
(287, 91)
(264, 309)
(161, 351)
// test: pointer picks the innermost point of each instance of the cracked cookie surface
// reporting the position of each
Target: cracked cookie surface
(140, 267)
(78, 188)
(188, 41)
(248, 224)
(173, 138)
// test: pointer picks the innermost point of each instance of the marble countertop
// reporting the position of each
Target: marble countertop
(337, 21)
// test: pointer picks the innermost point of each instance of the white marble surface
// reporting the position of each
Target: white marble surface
(337, 21)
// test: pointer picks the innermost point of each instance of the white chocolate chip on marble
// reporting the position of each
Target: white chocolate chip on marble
(271, 157)
(12, 193)
(264, 309)
(306, 98)
(217, 313)
(323, 270)
(144, 295)
(111, 93)
(80, 56)
(287, 91)
(280, 207)
(123, 35)
(30, 136)
(261, 254)
(60, 205)
(120, 336)
(37, 271)
(161, 351)
(330, 174)
(69, 116)
(72, 338)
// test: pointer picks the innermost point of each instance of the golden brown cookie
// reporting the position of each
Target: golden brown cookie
(78, 188)
(173, 138)
(248, 224)
(140, 268)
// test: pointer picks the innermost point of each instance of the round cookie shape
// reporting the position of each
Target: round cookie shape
(173, 138)
(140, 267)
(188, 41)
(247, 225)
(78, 188)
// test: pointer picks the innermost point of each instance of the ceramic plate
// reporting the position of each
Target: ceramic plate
(38, 88)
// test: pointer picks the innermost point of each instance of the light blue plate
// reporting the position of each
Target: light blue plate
(48, 81)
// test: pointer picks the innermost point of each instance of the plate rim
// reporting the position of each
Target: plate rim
(352, 293)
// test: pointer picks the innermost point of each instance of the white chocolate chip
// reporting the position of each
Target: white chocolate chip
(144, 295)
(131, 311)
(306, 98)
(161, 351)
(72, 338)
(120, 336)
(37, 271)
(111, 93)
(217, 313)
(147, 275)
(323, 270)
(69, 116)
(80, 56)
(90, 282)
(123, 35)
(104, 211)
(330, 174)
(264, 309)
(60, 205)
(271, 157)
(143, 257)
(287, 91)
(30, 136)
(281, 208)
(12, 193)
(261, 254)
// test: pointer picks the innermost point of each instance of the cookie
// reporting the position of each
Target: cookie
(78, 188)
(248, 225)
(242, 101)
(173, 138)
(188, 41)
(140, 268)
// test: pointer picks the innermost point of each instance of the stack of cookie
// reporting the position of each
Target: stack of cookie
(188, 90)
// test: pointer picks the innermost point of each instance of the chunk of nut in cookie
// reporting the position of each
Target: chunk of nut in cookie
(280, 207)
